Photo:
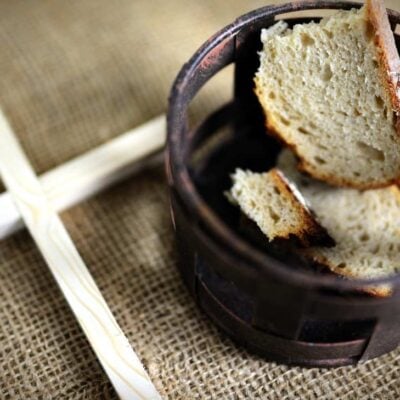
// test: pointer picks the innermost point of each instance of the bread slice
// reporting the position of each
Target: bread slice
(276, 206)
(364, 224)
(330, 91)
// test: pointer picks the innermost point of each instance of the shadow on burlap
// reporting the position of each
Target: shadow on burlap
(73, 75)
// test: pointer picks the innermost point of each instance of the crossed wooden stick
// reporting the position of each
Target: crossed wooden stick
(34, 202)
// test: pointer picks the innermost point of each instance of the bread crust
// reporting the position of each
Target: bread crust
(329, 261)
(389, 62)
(273, 130)
(377, 291)
(303, 166)
(312, 232)
(387, 54)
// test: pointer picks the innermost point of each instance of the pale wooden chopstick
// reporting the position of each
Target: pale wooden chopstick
(117, 357)
(92, 172)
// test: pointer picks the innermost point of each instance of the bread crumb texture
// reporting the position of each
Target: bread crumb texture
(272, 202)
(322, 87)
(364, 224)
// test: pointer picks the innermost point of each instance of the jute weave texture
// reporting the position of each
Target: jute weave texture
(74, 74)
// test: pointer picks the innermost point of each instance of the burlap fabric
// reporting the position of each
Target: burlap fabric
(72, 75)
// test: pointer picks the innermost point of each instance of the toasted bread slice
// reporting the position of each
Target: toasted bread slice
(330, 91)
(276, 206)
(364, 224)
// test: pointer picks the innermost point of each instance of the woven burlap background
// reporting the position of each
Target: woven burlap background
(72, 75)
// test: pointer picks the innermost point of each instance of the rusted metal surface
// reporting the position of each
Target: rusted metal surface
(271, 305)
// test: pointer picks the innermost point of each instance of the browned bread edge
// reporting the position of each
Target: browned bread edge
(389, 62)
(377, 291)
(312, 233)
(388, 55)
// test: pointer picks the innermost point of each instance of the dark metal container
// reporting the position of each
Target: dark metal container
(262, 298)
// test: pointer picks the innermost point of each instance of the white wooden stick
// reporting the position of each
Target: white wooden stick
(88, 174)
(119, 361)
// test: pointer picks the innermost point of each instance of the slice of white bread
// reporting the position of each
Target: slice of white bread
(364, 224)
(330, 91)
(275, 205)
